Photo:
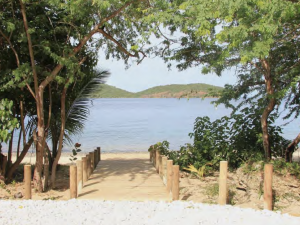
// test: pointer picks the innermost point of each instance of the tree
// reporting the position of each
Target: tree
(73, 112)
(57, 33)
(258, 38)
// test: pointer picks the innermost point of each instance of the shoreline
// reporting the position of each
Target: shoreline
(65, 156)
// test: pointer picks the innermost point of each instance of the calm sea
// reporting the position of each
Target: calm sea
(135, 124)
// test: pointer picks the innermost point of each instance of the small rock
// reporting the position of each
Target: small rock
(18, 195)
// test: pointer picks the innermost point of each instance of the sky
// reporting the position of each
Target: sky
(154, 72)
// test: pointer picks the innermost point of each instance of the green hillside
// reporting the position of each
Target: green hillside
(166, 91)
(107, 91)
(178, 90)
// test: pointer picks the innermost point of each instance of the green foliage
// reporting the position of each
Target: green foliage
(212, 190)
(201, 172)
(4, 187)
(284, 168)
(252, 166)
(173, 90)
(107, 91)
(7, 120)
(255, 38)
(192, 90)
(236, 139)
(185, 157)
(75, 151)
(77, 107)
(162, 147)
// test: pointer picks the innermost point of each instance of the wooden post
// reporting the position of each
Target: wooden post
(223, 183)
(27, 178)
(92, 162)
(157, 161)
(88, 164)
(150, 153)
(95, 158)
(164, 169)
(169, 175)
(84, 170)
(175, 185)
(268, 198)
(160, 166)
(73, 181)
(99, 153)
(154, 158)
(79, 175)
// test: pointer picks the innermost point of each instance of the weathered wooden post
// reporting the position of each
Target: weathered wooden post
(150, 153)
(154, 158)
(157, 161)
(73, 181)
(27, 178)
(79, 175)
(88, 164)
(95, 158)
(160, 171)
(169, 175)
(92, 162)
(164, 169)
(223, 183)
(84, 170)
(268, 198)
(175, 185)
(99, 152)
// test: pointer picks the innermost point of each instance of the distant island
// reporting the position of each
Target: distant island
(166, 91)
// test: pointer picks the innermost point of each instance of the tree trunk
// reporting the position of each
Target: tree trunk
(14, 166)
(264, 126)
(46, 169)
(22, 121)
(19, 143)
(38, 95)
(9, 153)
(38, 171)
(39, 88)
(267, 110)
(291, 148)
(55, 139)
(62, 131)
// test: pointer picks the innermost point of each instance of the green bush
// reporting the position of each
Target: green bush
(236, 139)
(284, 168)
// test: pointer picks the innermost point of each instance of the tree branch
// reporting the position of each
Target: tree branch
(31, 91)
(29, 47)
(117, 12)
(84, 40)
(116, 42)
(12, 47)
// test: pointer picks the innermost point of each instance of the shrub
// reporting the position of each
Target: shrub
(236, 139)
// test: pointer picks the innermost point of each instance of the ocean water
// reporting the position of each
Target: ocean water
(135, 124)
(119, 125)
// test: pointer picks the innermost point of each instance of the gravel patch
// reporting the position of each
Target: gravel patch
(126, 212)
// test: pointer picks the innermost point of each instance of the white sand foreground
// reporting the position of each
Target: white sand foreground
(126, 212)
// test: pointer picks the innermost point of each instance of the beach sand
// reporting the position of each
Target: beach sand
(244, 187)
